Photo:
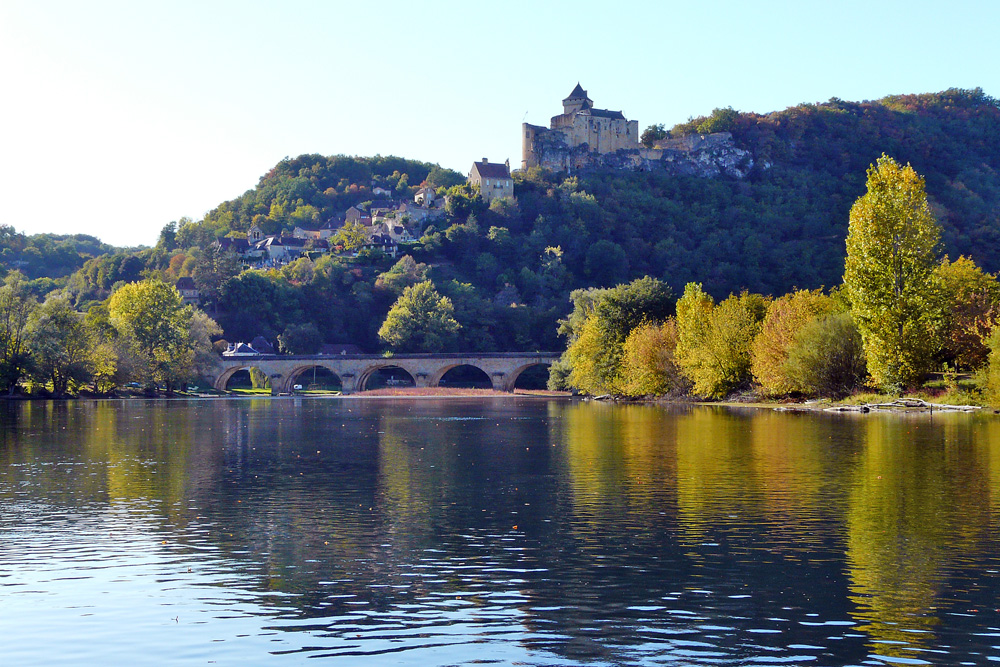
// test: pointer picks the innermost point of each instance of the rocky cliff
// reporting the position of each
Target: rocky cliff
(702, 156)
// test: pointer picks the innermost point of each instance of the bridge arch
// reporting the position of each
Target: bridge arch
(307, 374)
(370, 372)
(438, 376)
(222, 382)
(512, 377)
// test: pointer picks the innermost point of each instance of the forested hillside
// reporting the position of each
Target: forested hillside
(47, 259)
(508, 269)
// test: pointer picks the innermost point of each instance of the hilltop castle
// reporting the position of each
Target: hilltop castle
(582, 137)
(579, 126)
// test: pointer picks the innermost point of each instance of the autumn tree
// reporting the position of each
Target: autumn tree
(784, 319)
(421, 320)
(892, 243)
(713, 341)
(970, 302)
(649, 366)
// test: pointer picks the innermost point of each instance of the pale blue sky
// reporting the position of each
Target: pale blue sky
(120, 116)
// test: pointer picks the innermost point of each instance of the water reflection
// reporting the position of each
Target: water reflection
(446, 532)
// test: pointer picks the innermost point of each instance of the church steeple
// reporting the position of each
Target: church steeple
(577, 100)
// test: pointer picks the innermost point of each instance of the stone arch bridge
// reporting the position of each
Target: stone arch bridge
(354, 370)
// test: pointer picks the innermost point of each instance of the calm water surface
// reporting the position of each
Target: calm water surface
(513, 531)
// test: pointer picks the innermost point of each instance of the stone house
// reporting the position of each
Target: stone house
(382, 242)
(189, 292)
(424, 196)
(357, 215)
(492, 179)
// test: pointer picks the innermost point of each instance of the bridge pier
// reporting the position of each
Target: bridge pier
(348, 383)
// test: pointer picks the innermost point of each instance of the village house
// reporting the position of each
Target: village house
(261, 345)
(357, 215)
(189, 292)
(393, 229)
(326, 231)
(382, 242)
(424, 196)
(493, 180)
(257, 250)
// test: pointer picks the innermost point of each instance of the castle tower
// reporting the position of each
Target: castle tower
(577, 100)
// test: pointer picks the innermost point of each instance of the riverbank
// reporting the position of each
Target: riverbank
(407, 392)
(880, 404)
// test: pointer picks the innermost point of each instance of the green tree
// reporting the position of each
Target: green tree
(404, 273)
(60, 344)
(652, 134)
(16, 306)
(211, 270)
(421, 320)
(352, 236)
(201, 331)
(826, 357)
(721, 120)
(300, 339)
(606, 263)
(152, 314)
(892, 243)
(600, 322)
(443, 178)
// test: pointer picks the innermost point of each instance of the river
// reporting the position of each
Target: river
(494, 531)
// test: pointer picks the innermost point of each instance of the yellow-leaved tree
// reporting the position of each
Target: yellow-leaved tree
(892, 244)
(713, 341)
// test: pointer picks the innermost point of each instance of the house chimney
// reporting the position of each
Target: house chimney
(485, 161)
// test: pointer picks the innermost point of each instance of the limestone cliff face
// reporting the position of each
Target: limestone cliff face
(702, 156)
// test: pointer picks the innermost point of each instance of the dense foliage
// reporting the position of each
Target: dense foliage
(143, 335)
(508, 269)
(46, 260)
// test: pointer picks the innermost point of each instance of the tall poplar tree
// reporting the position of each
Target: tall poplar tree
(892, 244)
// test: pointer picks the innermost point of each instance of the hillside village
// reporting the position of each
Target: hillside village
(582, 137)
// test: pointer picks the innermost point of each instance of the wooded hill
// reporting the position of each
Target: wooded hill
(509, 269)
